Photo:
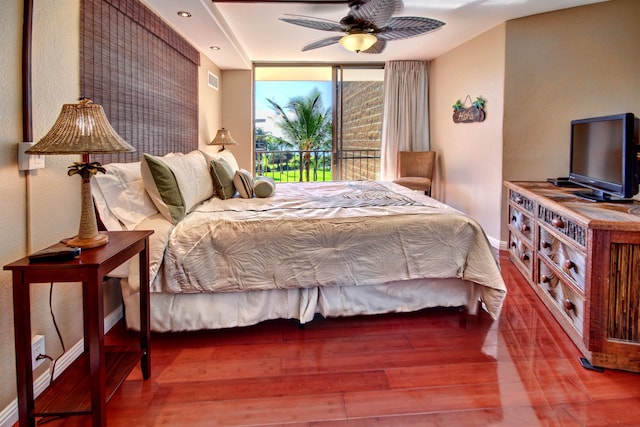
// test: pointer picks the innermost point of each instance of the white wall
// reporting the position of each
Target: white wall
(210, 100)
(237, 114)
(469, 167)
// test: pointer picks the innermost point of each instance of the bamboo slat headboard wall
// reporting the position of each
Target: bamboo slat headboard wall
(144, 75)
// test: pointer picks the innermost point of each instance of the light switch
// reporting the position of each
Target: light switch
(28, 162)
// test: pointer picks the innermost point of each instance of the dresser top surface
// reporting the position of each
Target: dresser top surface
(592, 213)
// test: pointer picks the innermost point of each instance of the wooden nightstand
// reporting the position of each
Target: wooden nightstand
(86, 385)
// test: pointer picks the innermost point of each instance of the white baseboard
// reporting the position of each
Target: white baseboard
(498, 244)
(9, 415)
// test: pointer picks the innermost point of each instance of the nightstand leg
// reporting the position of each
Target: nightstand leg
(22, 330)
(145, 320)
(95, 330)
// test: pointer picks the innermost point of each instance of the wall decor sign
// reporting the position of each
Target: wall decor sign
(474, 113)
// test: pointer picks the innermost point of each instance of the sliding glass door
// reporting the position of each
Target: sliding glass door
(359, 94)
(318, 123)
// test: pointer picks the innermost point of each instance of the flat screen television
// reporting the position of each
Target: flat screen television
(604, 157)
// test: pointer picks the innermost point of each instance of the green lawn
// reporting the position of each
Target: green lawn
(294, 175)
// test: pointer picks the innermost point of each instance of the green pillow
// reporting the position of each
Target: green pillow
(176, 183)
(222, 174)
(163, 188)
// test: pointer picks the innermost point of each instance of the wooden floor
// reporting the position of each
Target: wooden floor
(431, 368)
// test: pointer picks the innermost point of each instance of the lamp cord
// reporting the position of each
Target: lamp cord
(48, 419)
(55, 324)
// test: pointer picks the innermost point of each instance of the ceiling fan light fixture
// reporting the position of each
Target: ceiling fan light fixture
(358, 42)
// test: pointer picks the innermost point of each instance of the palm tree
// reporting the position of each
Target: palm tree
(308, 126)
(266, 141)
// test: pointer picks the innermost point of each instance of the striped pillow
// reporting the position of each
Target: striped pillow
(243, 181)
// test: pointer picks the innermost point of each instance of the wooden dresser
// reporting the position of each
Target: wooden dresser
(583, 260)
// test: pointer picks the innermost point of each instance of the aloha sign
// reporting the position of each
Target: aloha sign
(474, 113)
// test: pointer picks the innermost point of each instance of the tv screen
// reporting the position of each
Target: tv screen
(603, 156)
(597, 150)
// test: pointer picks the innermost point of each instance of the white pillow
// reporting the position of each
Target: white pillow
(176, 184)
(108, 219)
(225, 155)
(123, 194)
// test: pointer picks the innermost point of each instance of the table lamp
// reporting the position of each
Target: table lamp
(223, 137)
(83, 128)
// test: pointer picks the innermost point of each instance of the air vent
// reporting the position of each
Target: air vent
(213, 80)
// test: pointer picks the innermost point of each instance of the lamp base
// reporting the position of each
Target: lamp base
(92, 242)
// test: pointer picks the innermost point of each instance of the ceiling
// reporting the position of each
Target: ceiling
(250, 31)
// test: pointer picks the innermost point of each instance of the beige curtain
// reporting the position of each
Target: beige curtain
(405, 126)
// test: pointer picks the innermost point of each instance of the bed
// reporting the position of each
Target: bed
(221, 257)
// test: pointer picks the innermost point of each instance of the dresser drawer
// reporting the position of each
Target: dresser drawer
(568, 259)
(522, 201)
(564, 299)
(564, 225)
(521, 254)
(521, 222)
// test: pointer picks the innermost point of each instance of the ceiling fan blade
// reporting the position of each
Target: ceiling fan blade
(378, 12)
(307, 17)
(322, 43)
(405, 27)
(377, 47)
(324, 25)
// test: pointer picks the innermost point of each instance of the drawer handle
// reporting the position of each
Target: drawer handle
(557, 222)
(545, 244)
(545, 279)
(524, 257)
(568, 305)
(568, 264)
(519, 200)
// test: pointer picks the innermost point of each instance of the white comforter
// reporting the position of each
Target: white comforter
(321, 234)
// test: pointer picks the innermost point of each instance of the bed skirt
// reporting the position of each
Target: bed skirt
(188, 312)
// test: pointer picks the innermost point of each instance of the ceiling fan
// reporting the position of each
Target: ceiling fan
(368, 26)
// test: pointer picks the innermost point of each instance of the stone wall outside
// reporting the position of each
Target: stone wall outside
(362, 129)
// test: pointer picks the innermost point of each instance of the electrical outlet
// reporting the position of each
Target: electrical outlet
(37, 347)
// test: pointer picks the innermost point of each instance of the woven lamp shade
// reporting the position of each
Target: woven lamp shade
(81, 129)
(223, 137)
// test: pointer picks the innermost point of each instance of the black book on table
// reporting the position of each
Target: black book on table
(56, 254)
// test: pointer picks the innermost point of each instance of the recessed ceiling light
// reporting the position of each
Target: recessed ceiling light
(184, 14)
(214, 47)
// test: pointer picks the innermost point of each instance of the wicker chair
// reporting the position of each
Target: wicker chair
(415, 170)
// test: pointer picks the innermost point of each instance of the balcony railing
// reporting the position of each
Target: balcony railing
(324, 165)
